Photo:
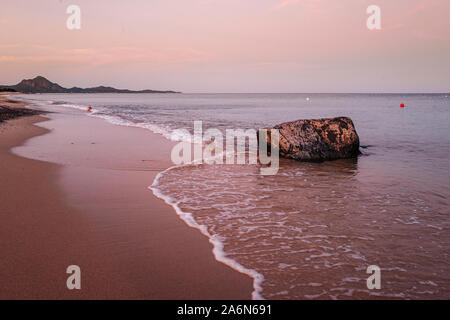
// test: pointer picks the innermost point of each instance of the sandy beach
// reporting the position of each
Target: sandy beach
(206, 151)
(85, 201)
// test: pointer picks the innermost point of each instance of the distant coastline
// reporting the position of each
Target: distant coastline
(42, 85)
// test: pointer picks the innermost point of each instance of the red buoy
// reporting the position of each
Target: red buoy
(89, 109)
(402, 105)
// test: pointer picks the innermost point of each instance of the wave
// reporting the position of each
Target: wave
(117, 120)
(165, 132)
(218, 244)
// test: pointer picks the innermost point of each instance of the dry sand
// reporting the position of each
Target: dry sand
(91, 207)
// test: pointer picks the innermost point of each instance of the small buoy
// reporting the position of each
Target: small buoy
(402, 105)
(89, 109)
(307, 99)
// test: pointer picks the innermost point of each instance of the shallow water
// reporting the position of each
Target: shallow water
(312, 230)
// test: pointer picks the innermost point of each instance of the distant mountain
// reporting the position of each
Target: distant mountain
(42, 85)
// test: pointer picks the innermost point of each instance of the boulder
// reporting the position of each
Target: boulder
(318, 140)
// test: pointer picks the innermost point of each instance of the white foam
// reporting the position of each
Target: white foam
(110, 118)
(216, 241)
(166, 133)
(73, 106)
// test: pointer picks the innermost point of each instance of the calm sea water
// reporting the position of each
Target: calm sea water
(311, 231)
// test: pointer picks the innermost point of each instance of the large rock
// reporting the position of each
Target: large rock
(318, 140)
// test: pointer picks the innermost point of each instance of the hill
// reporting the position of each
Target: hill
(43, 85)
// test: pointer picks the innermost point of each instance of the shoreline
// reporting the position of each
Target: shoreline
(128, 243)
(217, 244)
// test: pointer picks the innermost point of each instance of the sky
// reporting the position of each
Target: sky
(230, 45)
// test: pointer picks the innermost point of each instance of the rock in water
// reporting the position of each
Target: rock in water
(318, 140)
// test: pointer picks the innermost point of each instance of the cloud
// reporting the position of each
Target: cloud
(313, 5)
(286, 3)
(424, 28)
(288, 65)
(422, 6)
(100, 56)
(393, 27)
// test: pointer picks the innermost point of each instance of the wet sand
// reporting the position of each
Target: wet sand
(87, 204)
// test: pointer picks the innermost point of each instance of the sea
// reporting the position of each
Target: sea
(312, 230)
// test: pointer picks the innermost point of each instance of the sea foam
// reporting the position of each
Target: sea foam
(218, 246)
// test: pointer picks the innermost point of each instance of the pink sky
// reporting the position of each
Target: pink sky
(230, 45)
